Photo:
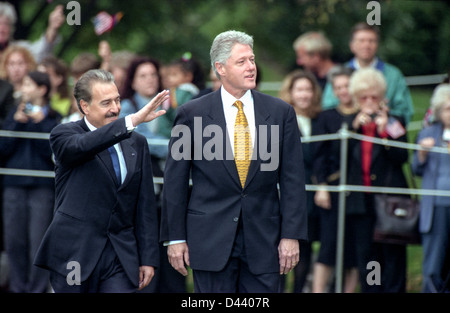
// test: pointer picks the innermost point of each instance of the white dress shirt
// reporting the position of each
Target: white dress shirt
(231, 111)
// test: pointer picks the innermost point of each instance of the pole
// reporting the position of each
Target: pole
(341, 209)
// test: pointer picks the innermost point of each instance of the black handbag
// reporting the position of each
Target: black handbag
(397, 219)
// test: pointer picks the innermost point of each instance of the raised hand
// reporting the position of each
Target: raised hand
(148, 112)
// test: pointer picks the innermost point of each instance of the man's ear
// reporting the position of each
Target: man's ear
(84, 106)
(220, 68)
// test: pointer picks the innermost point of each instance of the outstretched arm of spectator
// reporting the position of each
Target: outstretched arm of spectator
(55, 21)
(104, 51)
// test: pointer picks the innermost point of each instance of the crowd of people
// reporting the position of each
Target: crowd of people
(367, 93)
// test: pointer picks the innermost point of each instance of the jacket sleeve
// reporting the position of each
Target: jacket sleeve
(176, 180)
(292, 181)
(73, 146)
(147, 223)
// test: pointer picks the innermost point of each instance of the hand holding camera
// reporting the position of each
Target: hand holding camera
(27, 111)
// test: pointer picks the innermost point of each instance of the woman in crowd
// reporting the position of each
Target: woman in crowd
(16, 62)
(142, 83)
(434, 219)
(301, 90)
(28, 200)
(326, 170)
(58, 72)
(372, 164)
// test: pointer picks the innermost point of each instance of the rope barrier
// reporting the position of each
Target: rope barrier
(308, 187)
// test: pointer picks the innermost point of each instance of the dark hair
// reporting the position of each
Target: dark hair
(190, 65)
(288, 84)
(61, 69)
(339, 70)
(364, 26)
(41, 79)
(127, 91)
(83, 87)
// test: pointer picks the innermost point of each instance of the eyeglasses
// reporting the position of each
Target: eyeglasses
(371, 98)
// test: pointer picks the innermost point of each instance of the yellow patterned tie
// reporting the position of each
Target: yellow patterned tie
(242, 143)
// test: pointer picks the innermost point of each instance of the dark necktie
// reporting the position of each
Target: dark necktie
(116, 164)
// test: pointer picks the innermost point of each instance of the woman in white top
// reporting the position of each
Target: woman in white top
(301, 90)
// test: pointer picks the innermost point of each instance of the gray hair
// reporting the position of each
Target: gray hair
(339, 70)
(224, 43)
(7, 10)
(441, 96)
(83, 87)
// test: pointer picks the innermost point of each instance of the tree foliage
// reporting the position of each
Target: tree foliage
(414, 33)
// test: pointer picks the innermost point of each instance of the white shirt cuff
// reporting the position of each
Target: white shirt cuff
(129, 124)
(172, 242)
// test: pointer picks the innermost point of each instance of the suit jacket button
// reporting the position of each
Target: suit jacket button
(236, 219)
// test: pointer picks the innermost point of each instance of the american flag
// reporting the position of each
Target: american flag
(394, 128)
(104, 22)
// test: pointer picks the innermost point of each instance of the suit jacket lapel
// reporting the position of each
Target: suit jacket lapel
(261, 119)
(130, 156)
(104, 155)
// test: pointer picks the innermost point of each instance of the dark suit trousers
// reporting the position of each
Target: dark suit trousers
(236, 276)
(108, 276)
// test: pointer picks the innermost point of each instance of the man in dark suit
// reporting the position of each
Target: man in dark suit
(234, 227)
(104, 234)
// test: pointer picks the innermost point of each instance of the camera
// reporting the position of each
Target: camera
(29, 108)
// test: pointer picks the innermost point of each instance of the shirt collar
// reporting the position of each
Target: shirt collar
(228, 99)
(89, 125)
(372, 64)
